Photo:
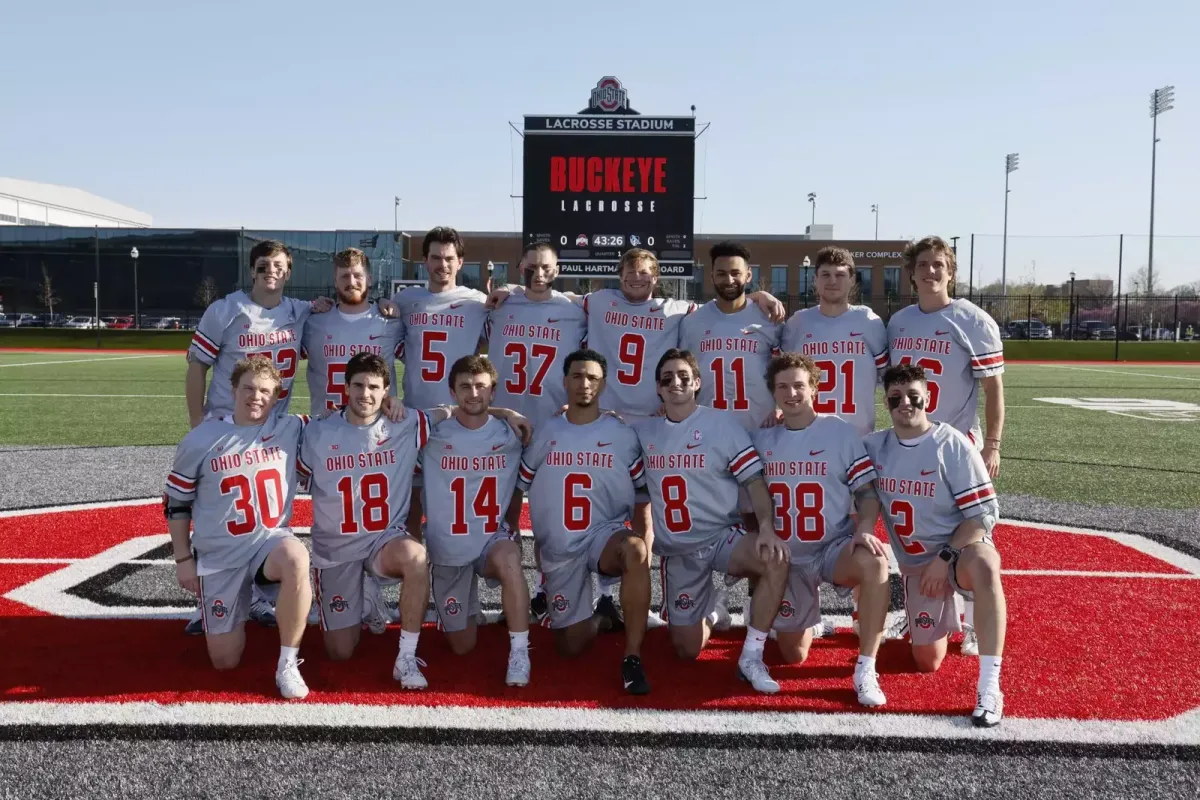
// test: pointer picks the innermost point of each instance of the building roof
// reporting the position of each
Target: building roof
(71, 199)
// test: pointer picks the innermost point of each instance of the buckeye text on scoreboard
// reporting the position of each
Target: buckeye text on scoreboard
(608, 179)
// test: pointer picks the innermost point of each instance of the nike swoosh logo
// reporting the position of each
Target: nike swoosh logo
(655, 309)
(815, 452)
(373, 337)
(940, 333)
(268, 438)
(628, 684)
(551, 321)
(382, 442)
(690, 446)
(856, 334)
(930, 472)
(455, 305)
(497, 446)
(603, 444)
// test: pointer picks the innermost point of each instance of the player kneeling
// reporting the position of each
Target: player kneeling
(939, 508)
(360, 466)
(817, 468)
(470, 476)
(581, 471)
(233, 478)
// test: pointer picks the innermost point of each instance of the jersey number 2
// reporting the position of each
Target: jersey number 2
(902, 515)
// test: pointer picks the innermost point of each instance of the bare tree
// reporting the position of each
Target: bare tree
(46, 291)
(206, 292)
(1137, 282)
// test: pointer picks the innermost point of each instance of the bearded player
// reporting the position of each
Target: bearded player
(696, 458)
(580, 473)
(959, 347)
(353, 326)
(233, 478)
(470, 469)
(817, 472)
(939, 508)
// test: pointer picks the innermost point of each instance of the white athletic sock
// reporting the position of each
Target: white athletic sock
(287, 654)
(989, 672)
(755, 641)
(518, 641)
(408, 643)
(864, 664)
(969, 613)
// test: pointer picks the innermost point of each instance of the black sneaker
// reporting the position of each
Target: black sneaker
(610, 616)
(195, 625)
(539, 608)
(633, 676)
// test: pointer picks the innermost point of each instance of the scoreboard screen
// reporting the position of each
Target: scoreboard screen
(596, 186)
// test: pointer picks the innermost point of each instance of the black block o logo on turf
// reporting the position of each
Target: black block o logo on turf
(452, 607)
(218, 609)
(683, 602)
(338, 604)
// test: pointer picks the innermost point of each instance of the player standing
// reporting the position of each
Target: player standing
(360, 466)
(939, 508)
(471, 463)
(233, 477)
(580, 472)
(847, 342)
(696, 458)
(443, 323)
(816, 470)
(733, 341)
(958, 345)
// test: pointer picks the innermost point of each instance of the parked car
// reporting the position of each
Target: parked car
(80, 322)
(165, 323)
(121, 323)
(7, 321)
(30, 321)
(1029, 329)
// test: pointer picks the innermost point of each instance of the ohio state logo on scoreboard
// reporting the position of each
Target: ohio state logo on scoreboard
(609, 97)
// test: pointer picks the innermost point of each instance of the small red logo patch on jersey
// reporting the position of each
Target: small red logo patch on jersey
(655, 309)
(268, 438)
(940, 333)
(603, 444)
(693, 446)
(929, 472)
(375, 336)
(333, 447)
(553, 442)
(808, 336)
(449, 447)
(329, 337)
(455, 305)
(815, 452)
(497, 446)
(552, 320)
(856, 334)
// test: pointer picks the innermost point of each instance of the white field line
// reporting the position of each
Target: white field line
(1183, 730)
(1122, 372)
(84, 360)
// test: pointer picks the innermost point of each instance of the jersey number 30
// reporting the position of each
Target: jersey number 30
(261, 502)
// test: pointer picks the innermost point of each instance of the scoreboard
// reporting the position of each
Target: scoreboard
(596, 185)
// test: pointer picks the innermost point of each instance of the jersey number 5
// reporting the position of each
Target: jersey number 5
(433, 362)
(253, 504)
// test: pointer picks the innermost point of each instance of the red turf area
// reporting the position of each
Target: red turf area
(1077, 647)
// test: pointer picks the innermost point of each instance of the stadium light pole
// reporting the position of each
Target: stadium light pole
(137, 321)
(812, 198)
(1160, 102)
(1010, 166)
(1071, 307)
(875, 211)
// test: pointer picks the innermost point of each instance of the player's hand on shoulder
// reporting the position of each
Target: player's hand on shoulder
(521, 426)
(393, 409)
(608, 412)
(661, 411)
(769, 305)
(934, 578)
(321, 304)
(561, 411)
(388, 308)
(773, 419)
(497, 296)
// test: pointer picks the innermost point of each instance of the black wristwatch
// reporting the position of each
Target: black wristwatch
(948, 554)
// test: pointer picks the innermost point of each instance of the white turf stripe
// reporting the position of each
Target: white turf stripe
(29, 512)
(88, 360)
(1123, 372)
(1182, 730)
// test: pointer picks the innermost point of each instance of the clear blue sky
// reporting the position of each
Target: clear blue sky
(313, 115)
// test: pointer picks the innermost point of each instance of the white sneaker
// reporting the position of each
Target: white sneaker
(518, 668)
(989, 708)
(970, 642)
(289, 682)
(375, 611)
(407, 670)
(654, 620)
(899, 627)
(866, 684)
(755, 672)
(262, 612)
(721, 608)
(821, 630)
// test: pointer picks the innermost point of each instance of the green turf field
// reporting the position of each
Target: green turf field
(1054, 451)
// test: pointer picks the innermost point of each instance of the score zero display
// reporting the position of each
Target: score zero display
(594, 194)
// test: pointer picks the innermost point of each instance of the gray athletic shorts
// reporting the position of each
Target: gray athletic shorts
(933, 618)
(225, 596)
(568, 587)
(339, 589)
(454, 585)
(801, 605)
(687, 585)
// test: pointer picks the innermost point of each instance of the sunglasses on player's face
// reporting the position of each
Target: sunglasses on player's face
(914, 399)
(669, 379)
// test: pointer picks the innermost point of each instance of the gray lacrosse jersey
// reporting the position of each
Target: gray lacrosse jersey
(734, 351)
(361, 481)
(241, 481)
(528, 342)
(633, 337)
(927, 487)
(440, 329)
(470, 476)
(693, 470)
(958, 346)
(236, 327)
(331, 340)
(580, 480)
(851, 350)
(812, 475)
